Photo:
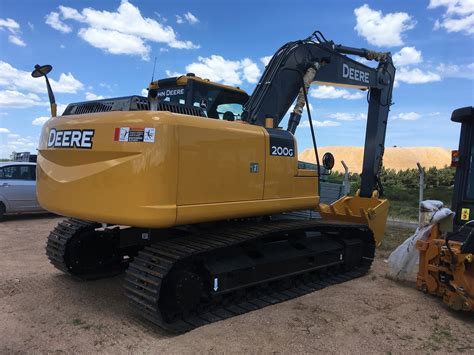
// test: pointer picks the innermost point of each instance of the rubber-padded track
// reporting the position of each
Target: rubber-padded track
(146, 273)
(57, 247)
(60, 236)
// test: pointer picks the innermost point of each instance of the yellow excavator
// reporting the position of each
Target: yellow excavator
(446, 266)
(195, 189)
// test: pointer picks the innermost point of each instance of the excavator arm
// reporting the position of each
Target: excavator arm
(297, 64)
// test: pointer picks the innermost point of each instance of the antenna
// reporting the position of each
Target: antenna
(153, 74)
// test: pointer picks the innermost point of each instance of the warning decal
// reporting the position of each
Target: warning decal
(465, 214)
(134, 134)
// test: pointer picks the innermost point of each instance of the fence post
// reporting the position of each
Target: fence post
(345, 184)
(422, 186)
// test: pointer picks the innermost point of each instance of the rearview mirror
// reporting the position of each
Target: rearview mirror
(328, 161)
(41, 70)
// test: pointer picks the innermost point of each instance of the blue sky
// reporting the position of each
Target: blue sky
(106, 49)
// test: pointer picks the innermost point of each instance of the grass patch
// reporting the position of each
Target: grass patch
(394, 236)
(77, 322)
(440, 336)
(404, 201)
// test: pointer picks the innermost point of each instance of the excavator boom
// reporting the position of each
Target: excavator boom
(282, 80)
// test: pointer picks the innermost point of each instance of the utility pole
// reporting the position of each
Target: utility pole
(345, 184)
(422, 186)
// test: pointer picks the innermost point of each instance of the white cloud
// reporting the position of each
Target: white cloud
(67, 84)
(251, 72)
(229, 72)
(326, 123)
(115, 42)
(464, 24)
(14, 28)
(408, 116)
(4, 130)
(144, 92)
(191, 18)
(16, 99)
(40, 120)
(347, 116)
(55, 22)
(9, 24)
(16, 79)
(407, 56)
(69, 13)
(409, 75)
(160, 16)
(330, 92)
(60, 108)
(16, 143)
(187, 17)
(382, 30)
(458, 16)
(265, 60)
(465, 71)
(416, 76)
(31, 26)
(124, 31)
(172, 74)
(91, 96)
(16, 40)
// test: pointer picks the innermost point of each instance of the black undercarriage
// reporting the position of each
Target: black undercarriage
(187, 277)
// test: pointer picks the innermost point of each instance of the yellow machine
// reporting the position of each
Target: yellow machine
(447, 259)
(192, 189)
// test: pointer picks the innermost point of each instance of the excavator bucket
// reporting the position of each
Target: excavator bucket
(371, 211)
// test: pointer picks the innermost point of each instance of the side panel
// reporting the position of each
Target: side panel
(216, 159)
(282, 178)
(130, 183)
(194, 170)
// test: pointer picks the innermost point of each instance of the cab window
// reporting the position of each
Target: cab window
(230, 112)
(219, 103)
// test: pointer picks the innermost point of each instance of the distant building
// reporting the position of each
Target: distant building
(23, 156)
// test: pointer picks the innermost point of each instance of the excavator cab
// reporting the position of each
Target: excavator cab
(217, 101)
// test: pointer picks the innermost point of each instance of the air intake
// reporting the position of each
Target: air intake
(129, 103)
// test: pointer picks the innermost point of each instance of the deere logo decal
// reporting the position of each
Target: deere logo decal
(74, 138)
(355, 74)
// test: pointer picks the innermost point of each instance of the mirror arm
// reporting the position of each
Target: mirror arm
(52, 100)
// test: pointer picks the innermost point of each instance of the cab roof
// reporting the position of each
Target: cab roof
(183, 80)
(463, 114)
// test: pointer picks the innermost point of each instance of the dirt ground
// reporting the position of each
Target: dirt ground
(44, 311)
